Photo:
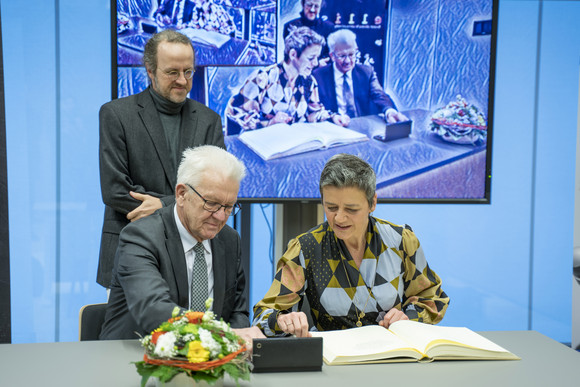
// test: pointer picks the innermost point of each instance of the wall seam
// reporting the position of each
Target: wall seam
(534, 155)
(58, 173)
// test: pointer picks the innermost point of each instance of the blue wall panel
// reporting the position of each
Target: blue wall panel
(555, 172)
(84, 86)
(505, 265)
(30, 77)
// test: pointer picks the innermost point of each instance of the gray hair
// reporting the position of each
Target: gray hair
(322, 3)
(300, 39)
(344, 170)
(197, 161)
(343, 36)
(170, 36)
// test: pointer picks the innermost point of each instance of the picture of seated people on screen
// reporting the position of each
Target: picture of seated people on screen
(223, 32)
(310, 17)
(348, 87)
(198, 14)
(283, 93)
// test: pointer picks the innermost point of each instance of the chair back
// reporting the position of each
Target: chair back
(91, 319)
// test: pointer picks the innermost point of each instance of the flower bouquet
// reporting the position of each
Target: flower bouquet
(459, 122)
(196, 344)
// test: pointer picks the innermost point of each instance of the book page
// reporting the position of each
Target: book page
(427, 338)
(283, 140)
(208, 38)
(371, 342)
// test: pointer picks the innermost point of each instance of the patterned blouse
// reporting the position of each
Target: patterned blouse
(393, 274)
(268, 91)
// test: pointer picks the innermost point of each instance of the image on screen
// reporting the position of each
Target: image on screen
(223, 32)
(406, 86)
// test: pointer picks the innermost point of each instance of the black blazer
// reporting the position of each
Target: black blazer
(150, 277)
(134, 156)
(369, 96)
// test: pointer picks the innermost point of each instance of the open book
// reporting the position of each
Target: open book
(407, 341)
(208, 38)
(282, 140)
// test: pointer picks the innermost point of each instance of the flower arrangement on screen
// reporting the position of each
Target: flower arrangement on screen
(194, 343)
(459, 122)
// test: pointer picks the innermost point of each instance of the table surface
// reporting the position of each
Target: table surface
(393, 161)
(544, 362)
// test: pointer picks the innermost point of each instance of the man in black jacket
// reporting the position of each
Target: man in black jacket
(142, 137)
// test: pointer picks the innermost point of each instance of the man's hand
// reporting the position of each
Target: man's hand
(248, 334)
(294, 323)
(341, 119)
(149, 204)
(391, 316)
(391, 116)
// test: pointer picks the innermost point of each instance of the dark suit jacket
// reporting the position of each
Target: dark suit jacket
(150, 277)
(134, 156)
(369, 96)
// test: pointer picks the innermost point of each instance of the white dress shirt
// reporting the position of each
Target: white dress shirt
(189, 242)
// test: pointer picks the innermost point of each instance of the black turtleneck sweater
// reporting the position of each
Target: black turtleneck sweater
(170, 115)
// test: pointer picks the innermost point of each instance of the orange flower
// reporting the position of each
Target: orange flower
(194, 317)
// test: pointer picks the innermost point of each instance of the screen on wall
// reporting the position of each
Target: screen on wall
(405, 85)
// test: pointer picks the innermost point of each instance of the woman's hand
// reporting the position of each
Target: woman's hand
(280, 118)
(294, 323)
(391, 316)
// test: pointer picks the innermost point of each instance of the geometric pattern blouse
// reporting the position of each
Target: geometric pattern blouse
(317, 267)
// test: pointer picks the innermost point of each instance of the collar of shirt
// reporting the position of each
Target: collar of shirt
(187, 239)
(338, 75)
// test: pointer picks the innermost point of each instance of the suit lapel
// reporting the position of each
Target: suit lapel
(358, 80)
(188, 133)
(176, 255)
(219, 275)
(152, 122)
(330, 87)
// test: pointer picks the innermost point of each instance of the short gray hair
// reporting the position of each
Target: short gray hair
(195, 162)
(300, 39)
(343, 36)
(170, 36)
(344, 170)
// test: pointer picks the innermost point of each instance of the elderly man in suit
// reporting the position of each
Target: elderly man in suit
(142, 137)
(183, 254)
(350, 88)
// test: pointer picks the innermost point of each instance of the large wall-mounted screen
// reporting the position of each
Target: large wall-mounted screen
(405, 85)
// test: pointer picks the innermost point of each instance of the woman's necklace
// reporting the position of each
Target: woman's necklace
(360, 313)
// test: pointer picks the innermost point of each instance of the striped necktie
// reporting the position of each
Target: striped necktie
(348, 98)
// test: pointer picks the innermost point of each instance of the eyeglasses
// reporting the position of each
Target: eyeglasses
(350, 55)
(312, 6)
(174, 74)
(214, 207)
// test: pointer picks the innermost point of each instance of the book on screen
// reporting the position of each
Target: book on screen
(281, 140)
(208, 38)
(407, 341)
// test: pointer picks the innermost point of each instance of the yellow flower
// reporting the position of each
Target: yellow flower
(196, 353)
